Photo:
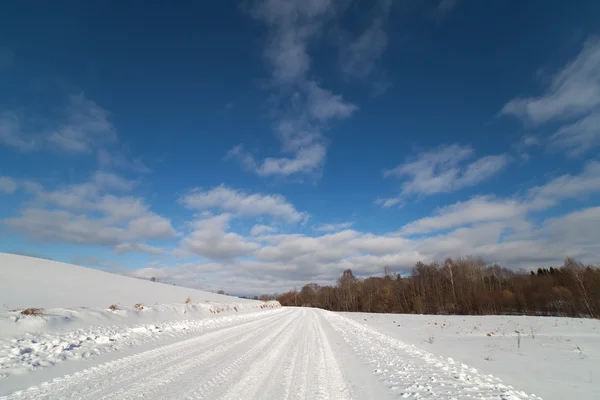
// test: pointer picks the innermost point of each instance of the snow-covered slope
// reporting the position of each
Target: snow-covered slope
(27, 282)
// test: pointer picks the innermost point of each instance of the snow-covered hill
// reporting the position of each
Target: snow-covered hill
(27, 282)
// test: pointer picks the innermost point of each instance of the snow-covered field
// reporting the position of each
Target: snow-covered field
(557, 358)
(220, 347)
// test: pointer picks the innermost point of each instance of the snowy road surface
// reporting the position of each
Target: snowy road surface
(283, 354)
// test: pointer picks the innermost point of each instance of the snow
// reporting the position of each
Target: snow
(221, 347)
(558, 357)
(27, 282)
(76, 321)
(284, 353)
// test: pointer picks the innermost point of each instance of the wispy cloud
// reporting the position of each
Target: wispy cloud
(567, 186)
(86, 125)
(388, 202)
(334, 227)
(7, 185)
(443, 170)
(304, 108)
(108, 159)
(80, 128)
(572, 99)
(11, 133)
(444, 8)
(359, 56)
(477, 209)
(243, 204)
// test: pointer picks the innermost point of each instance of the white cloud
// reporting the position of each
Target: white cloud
(209, 239)
(11, 133)
(7, 185)
(324, 105)
(64, 226)
(150, 226)
(477, 209)
(334, 227)
(580, 136)
(86, 126)
(304, 161)
(86, 214)
(388, 202)
(499, 232)
(81, 127)
(482, 169)
(573, 91)
(303, 109)
(444, 170)
(111, 181)
(573, 97)
(487, 208)
(497, 229)
(260, 229)
(123, 248)
(116, 159)
(566, 187)
(359, 57)
(578, 227)
(243, 204)
(292, 25)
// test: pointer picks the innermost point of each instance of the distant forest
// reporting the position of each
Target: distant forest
(463, 286)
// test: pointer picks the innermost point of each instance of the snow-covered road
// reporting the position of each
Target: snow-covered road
(284, 354)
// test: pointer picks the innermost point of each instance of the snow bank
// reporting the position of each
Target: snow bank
(32, 351)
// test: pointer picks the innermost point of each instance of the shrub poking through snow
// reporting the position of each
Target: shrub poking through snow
(33, 311)
(188, 300)
(113, 307)
(139, 307)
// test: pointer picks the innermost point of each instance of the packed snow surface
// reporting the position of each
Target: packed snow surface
(154, 345)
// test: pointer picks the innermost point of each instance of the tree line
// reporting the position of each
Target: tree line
(463, 286)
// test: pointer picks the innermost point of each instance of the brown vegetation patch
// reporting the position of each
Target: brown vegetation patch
(33, 311)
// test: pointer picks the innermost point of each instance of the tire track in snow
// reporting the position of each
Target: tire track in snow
(107, 379)
(312, 374)
(286, 355)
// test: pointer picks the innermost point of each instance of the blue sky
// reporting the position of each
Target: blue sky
(255, 146)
